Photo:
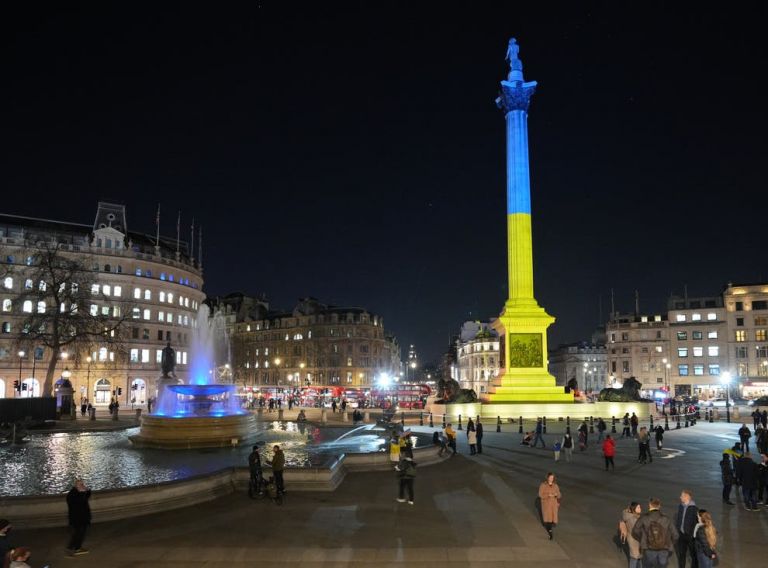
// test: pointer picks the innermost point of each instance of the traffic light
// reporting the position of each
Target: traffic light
(16, 385)
(24, 386)
(119, 391)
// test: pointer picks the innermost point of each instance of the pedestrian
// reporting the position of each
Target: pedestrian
(470, 426)
(549, 493)
(583, 435)
(479, 430)
(609, 451)
(686, 521)
(539, 434)
(747, 473)
(6, 542)
(726, 474)
(644, 446)
(472, 441)
(407, 474)
(441, 441)
(150, 402)
(79, 516)
(764, 419)
(567, 445)
(762, 480)
(744, 435)
(19, 557)
(659, 431)
(556, 447)
(333, 406)
(656, 534)
(394, 449)
(629, 517)
(83, 406)
(601, 428)
(625, 423)
(705, 539)
(278, 467)
(755, 419)
(344, 405)
(450, 435)
(634, 422)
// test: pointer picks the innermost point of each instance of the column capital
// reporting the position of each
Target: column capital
(515, 95)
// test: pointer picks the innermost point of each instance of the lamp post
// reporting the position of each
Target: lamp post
(726, 378)
(665, 361)
(277, 366)
(88, 375)
(21, 357)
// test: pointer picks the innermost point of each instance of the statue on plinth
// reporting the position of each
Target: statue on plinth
(629, 392)
(168, 362)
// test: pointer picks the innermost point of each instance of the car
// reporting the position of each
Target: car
(715, 403)
(762, 401)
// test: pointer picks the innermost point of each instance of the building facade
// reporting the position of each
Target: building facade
(746, 308)
(477, 357)
(583, 361)
(638, 346)
(313, 345)
(156, 286)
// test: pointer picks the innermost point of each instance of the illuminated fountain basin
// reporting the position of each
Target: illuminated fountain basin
(196, 416)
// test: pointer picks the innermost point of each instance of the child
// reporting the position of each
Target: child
(557, 451)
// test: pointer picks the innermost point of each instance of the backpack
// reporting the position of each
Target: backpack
(657, 536)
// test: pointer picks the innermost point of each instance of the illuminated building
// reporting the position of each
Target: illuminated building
(583, 361)
(477, 357)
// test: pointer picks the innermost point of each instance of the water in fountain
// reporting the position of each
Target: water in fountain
(202, 396)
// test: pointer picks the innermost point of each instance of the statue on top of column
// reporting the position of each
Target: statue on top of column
(512, 50)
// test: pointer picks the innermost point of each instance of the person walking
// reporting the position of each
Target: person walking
(609, 451)
(601, 428)
(705, 539)
(755, 419)
(333, 406)
(629, 517)
(583, 435)
(644, 446)
(656, 534)
(472, 441)
(764, 419)
(549, 493)
(685, 523)
(726, 475)
(747, 474)
(625, 423)
(539, 437)
(479, 430)
(567, 445)
(79, 512)
(659, 431)
(633, 421)
(278, 467)
(406, 474)
(744, 435)
(450, 435)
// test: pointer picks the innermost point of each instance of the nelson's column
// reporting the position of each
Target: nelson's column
(523, 323)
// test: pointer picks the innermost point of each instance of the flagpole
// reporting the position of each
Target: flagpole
(178, 235)
(192, 243)
(200, 248)
(157, 231)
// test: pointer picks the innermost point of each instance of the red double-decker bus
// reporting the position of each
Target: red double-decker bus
(401, 395)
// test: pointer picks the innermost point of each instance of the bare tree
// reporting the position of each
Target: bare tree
(60, 310)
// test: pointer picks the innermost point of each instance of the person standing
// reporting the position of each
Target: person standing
(633, 421)
(278, 467)
(764, 419)
(472, 441)
(744, 435)
(601, 428)
(687, 517)
(79, 511)
(450, 435)
(656, 534)
(629, 517)
(762, 480)
(747, 473)
(394, 449)
(479, 430)
(755, 418)
(659, 431)
(567, 445)
(583, 435)
(556, 447)
(333, 406)
(549, 493)
(644, 446)
(609, 451)
(705, 539)
(539, 437)
(726, 474)
(470, 426)
(407, 476)
(625, 423)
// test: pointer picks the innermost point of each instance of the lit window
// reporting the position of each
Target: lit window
(741, 335)
(147, 314)
(106, 290)
(6, 327)
(298, 337)
(105, 310)
(41, 307)
(138, 272)
(696, 317)
(181, 301)
(349, 361)
(711, 316)
(184, 358)
(682, 335)
(186, 320)
(116, 312)
(160, 316)
(117, 291)
(760, 335)
(697, 335)
(162, 296)
(644, 319)
(94, 288)
(147, 294)
(698, 370)
(162, 276)
(170, 297)
(8, 282)
(42, 286)
(145, 355)
(134, 355)
(28, 284)
(186, 302)
(659, 349)
(711, 335)
(103, 354)
(170, 277)
(714, 369)
(94, 310)
(137, 293)
(179, 320)
(158, 355)
(698, 351)
(713, 351)
(680, 317)
(136, 314)
(7, 305)
(682, 352)
(682, 370)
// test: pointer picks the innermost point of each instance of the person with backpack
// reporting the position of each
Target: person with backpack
(659, 431)
(656, 534)
(687, 517)
(625, 423)
(705, 539)
(406, 474)
(744, 435)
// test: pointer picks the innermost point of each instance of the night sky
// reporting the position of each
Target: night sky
(353, 152)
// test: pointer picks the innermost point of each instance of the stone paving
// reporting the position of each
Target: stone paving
(469, 511)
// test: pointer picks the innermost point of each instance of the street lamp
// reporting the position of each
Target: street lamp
(666, 384)
(21, 357)
(726, 378)
(277, 364)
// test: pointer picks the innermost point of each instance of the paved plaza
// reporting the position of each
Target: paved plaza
(469, 511)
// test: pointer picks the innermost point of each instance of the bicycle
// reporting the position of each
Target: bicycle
(260, 488)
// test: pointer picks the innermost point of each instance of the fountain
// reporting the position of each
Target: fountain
(202, 414)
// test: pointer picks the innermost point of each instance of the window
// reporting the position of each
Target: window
(181, 301)
(145, 335)
(162, 277)
(680, 317)
(741, 352)
(740, 322)
(137, 293)
(298, 337)
(713, 351)
(739, 306)
(162, 296)
(102, 354)
(160, 316)
(711, 335)
(6, 327)
(7, 305)
(760, 335)
(714, 369)
(117, 291)
(116, 312)
(349, 361)
(762, 352)
(682, 352)
(105, 310)
(698, 370)
(95, 289)
(147, 294)
(136, 314)
(42, 286)
(760, 305)
(696, 317)
(170, 297)
(107, 268)
(761, 320)
(625, 336)
(698, 352)
(711, 316)
(134, 355)
(147, 314)
(625, 366)
(682, 370)
(682, 335)
(94, 310)
(186, 302)
(658, 349)
(145, 355)
(41, 307)
(625, 349)
(138, 271)
(697, 335)
(28, 284)
(106, 290)
(741, 335)
(8, 282)
(159, 353)
(741, 370)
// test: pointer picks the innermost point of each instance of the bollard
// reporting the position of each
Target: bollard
(677, 420)
(567, 424)
(459, 421)
(402, 419)
(431, 423)
(651, 422)
(114, 414)
(421, 419)
(443, 421)
(367, 417)
(280, 415)
(666, 422)
(686, 421)
(92, 413)
(344, 415)
(591, 424)
(544, 424)
(323, 416)
(520, 430)
(498, 423)
(711, 416)
(613, 424)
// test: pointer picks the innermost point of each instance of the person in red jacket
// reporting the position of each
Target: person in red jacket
(609, 450)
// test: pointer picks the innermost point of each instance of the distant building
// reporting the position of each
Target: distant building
(746, 308)
(314, 344)
(477, 356)
(638, 346)
(583, 361)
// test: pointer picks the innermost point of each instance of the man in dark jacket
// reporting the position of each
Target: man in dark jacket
(479, 432)
(745, 434)
(656, 534)
(79, 516)
(748, 474)
(687, 517)
(278, 466)
(407, 475)
(726, 474)
(762, 479)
